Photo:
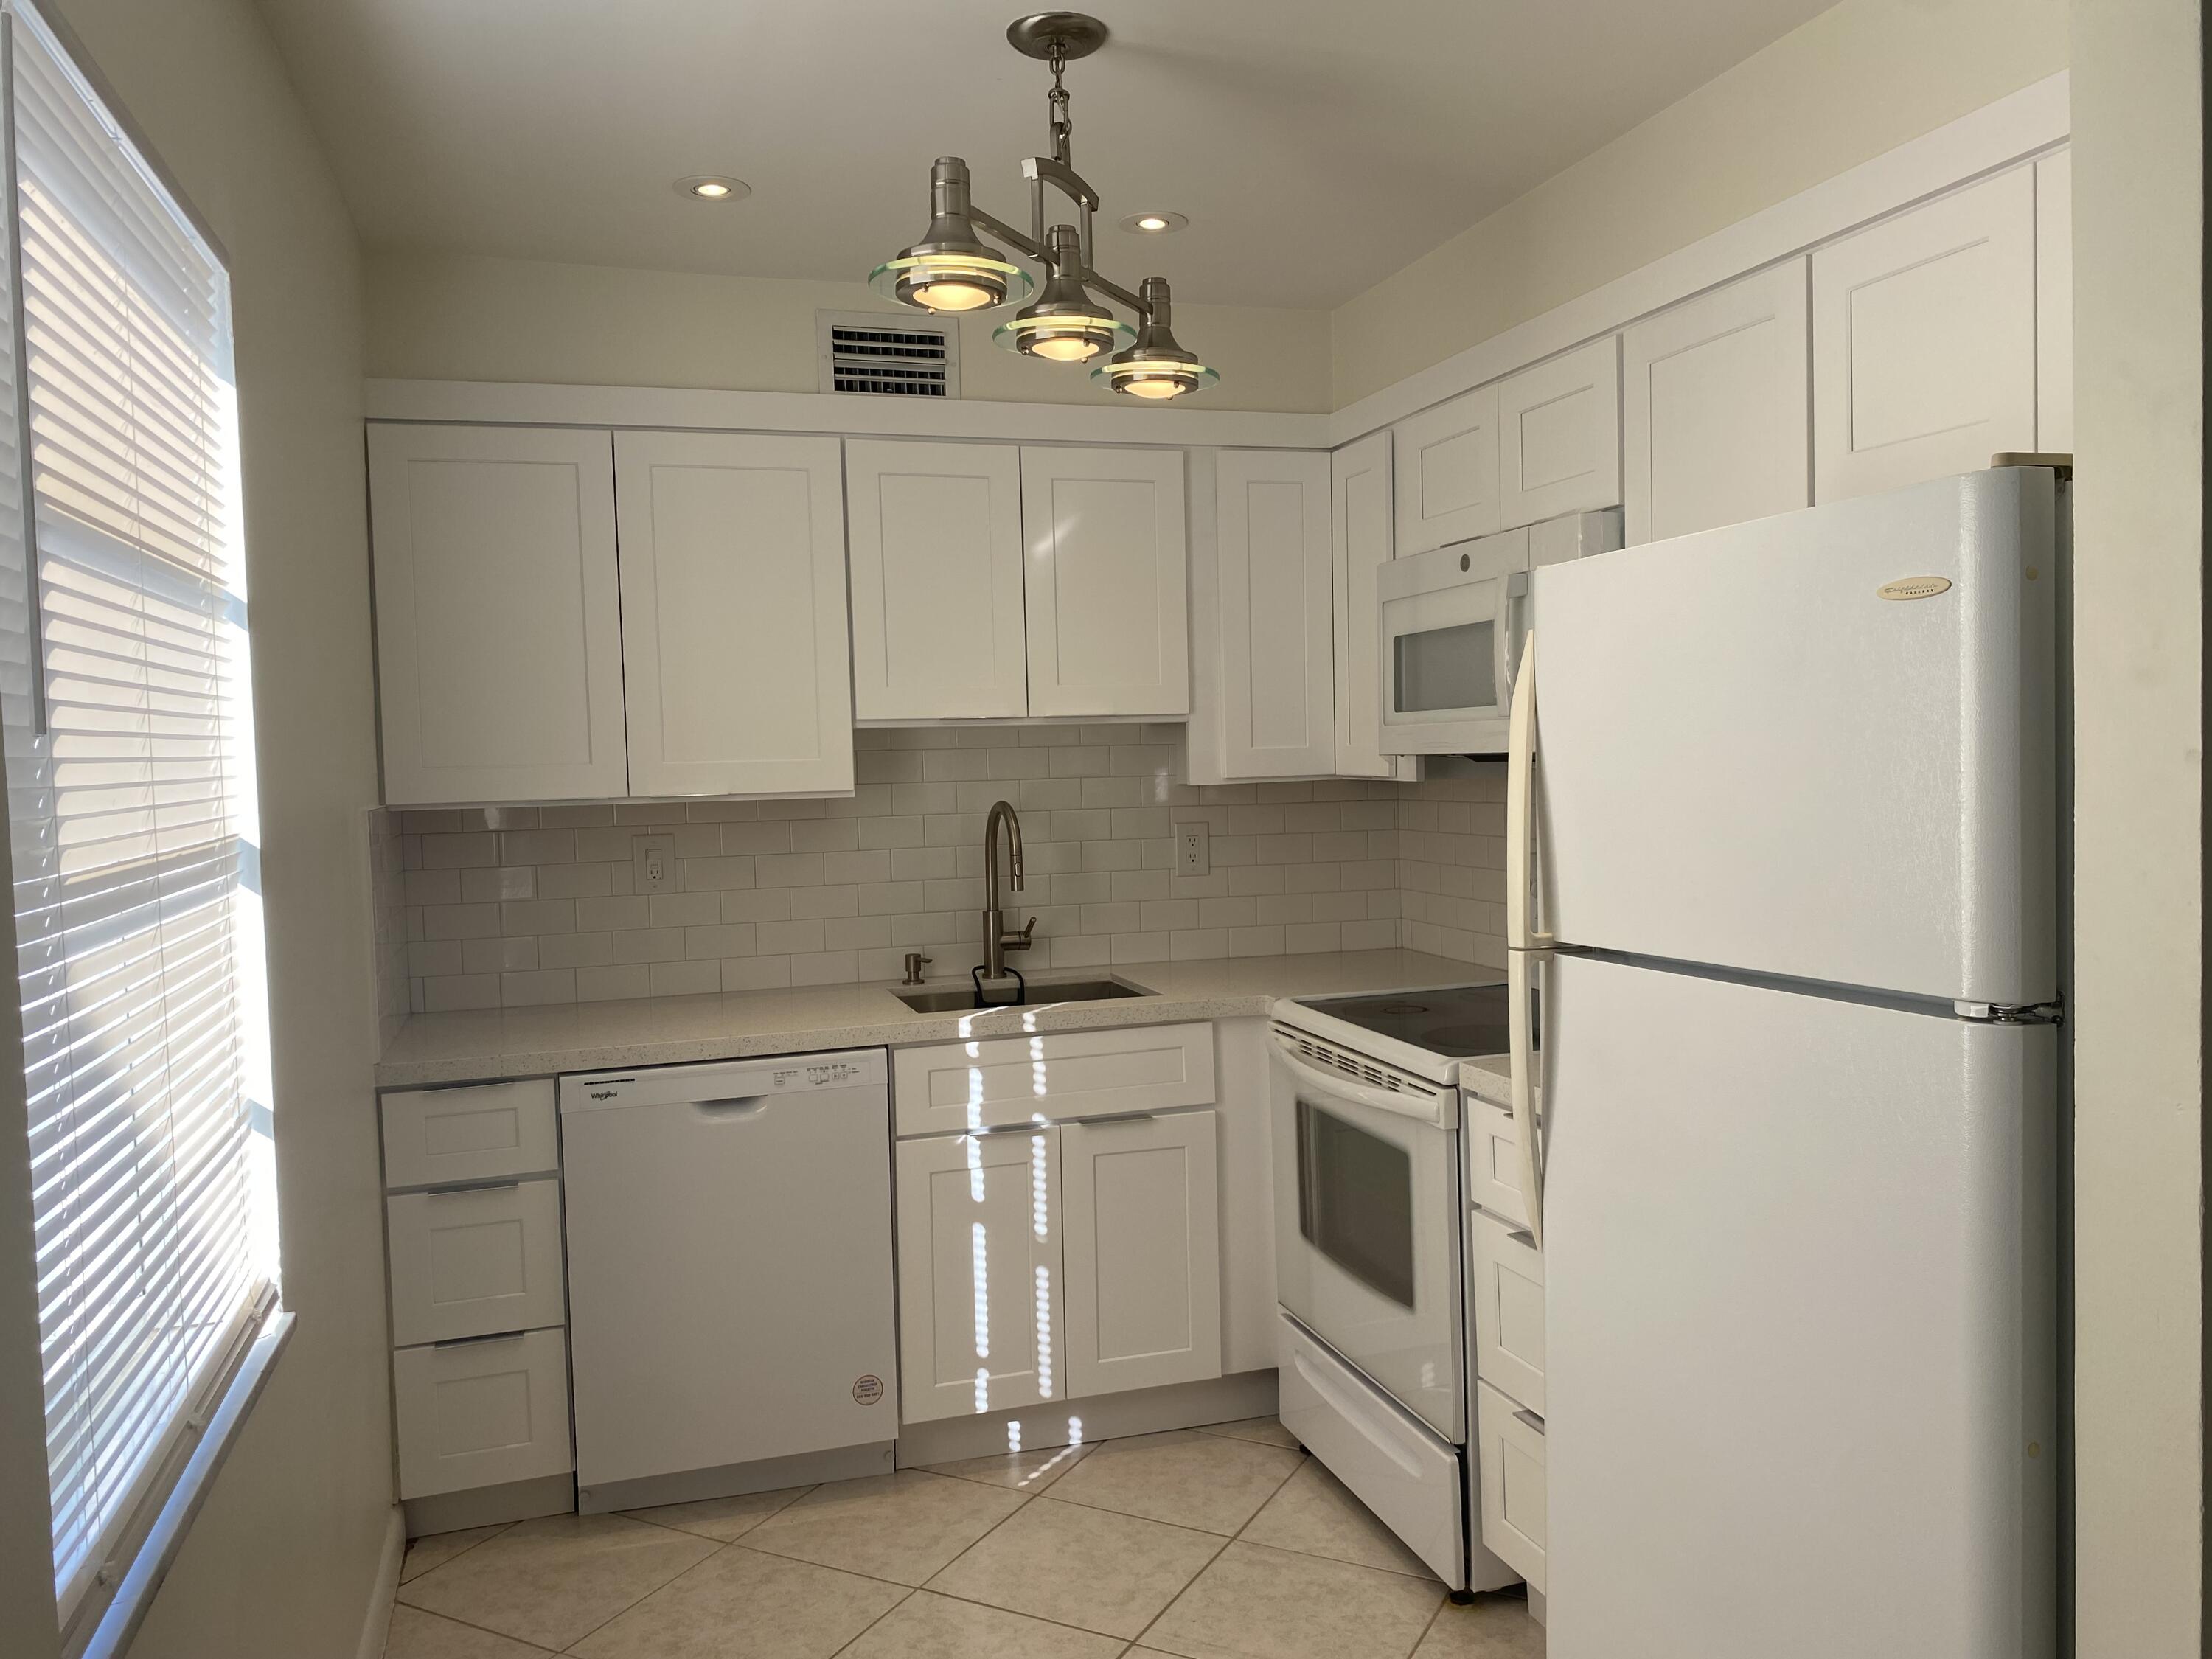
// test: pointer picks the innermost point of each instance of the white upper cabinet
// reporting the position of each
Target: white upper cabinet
(735, 657)
(1924, 341)
(499, 652)
(1360, 534)
(1447, 471)
(1716, 408)
(1107, 583)
(1141, 1209)
(936, 541)
(2054, 303)
(1275, 635)
(1558, 435)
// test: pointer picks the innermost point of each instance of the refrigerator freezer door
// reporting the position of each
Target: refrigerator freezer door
(1817, 746)
(1799, 1331)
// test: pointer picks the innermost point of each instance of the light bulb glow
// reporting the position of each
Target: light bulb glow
(1064, 347)
(710, 190)
(948, 281)
(1152, 222)
(1152, 385)
(951, 296)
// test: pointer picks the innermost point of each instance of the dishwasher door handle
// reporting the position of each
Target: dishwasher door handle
(734, 1108)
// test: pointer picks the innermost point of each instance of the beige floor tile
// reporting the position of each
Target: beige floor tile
(1267, 1430)
(1183, 1477)
(419, 1635)
(554, 1581)
(740, 1604)
(1494, 1627)
(902, 1527)
(1253, 1602)
(926, 1626)
(1024, 1471)
(439, 1547)
(1090, 1568)
(725, 1518)
(1313, 1515)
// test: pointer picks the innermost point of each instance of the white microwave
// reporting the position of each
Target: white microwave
(1453, 621)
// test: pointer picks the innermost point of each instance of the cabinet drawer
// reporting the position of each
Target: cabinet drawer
(1510, 1470)
(1493, 1160)
(485, 1132)
(953, 1086)
(474, 1261)
(1509, 1311)
(482, 1413)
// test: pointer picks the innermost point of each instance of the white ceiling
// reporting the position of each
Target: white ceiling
(1317, 145)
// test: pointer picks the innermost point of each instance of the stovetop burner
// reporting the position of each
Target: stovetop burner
(1457, 1022)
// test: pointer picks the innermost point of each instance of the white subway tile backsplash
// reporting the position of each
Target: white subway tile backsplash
(509, 906)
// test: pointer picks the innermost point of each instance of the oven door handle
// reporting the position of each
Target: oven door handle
(1425, 1109)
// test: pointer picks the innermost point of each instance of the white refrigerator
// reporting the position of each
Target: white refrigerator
(1783, 896)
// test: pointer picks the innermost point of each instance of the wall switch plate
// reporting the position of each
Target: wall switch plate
(1192, 858)
(653, 861)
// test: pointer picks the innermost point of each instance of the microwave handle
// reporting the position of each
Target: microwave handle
(1512, 609)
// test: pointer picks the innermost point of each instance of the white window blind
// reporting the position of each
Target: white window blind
(132, 812)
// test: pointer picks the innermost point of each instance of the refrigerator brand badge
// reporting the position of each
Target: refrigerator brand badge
(1914, 587)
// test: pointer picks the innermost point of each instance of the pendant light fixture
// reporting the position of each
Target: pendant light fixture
(952, 269)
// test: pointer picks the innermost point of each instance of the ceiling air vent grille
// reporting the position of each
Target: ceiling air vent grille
(881, 355)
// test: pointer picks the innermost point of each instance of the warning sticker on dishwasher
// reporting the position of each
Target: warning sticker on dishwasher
(868, 1391)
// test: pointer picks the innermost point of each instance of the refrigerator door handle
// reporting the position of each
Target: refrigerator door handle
(1521, 805)
(1523, 1060)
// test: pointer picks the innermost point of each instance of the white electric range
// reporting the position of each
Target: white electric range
(1370, 1240)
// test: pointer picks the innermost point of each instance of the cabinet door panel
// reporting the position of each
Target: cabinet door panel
(1924, 341)
(499, 651)
(979, 1272)
(1106, 588)
(733, 623)
(1143, 1252)
(1360, 509)
(936, 535)
(1717, 414)
(1276, 637)
(1558, 435)
(1446, 466)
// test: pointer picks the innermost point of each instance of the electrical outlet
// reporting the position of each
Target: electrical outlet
(1192, 858)
(653, 862)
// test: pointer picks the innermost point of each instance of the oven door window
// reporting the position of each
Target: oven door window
(1356, 1201)
(1441, 669)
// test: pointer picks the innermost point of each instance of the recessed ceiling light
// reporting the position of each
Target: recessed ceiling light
(714, 187)
(1154, 224)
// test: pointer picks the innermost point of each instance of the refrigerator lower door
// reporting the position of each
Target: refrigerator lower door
(1818, 746)
(1799, 1307)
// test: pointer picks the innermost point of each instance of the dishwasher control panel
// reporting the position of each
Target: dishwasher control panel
(728, 1080)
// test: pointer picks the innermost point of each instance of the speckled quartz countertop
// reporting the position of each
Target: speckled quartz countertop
(507, 1042)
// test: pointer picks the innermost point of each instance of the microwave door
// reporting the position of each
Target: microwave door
(1449, 648)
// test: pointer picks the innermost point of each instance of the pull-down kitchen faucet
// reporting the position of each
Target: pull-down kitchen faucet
(996, 940)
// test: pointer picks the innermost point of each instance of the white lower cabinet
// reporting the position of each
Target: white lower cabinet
(1507, 1272)
(1493, 1160)
(947, 1087)
(1509, 1452)
(979, 1257)
(475, 1261)
(1141, 1216)
(482, 1412)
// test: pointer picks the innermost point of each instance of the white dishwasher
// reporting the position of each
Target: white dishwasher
(729, 1237)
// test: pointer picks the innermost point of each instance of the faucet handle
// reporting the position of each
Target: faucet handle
(1021, 941)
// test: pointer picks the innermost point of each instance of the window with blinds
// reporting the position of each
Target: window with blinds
(130, 754)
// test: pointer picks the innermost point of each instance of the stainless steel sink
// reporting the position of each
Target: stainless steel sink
(962, 999)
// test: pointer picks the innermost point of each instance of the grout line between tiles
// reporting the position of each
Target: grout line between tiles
(654, 1591)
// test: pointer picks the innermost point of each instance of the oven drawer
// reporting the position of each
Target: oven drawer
(485, 1132)
(1493, 1160)
(475, 1261)
(1394, 1465)
(1509, 1473)
(1507, 1275)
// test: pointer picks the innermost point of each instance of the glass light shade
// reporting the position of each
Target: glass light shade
(951, 281)
(1063, 337)
(1155, 379)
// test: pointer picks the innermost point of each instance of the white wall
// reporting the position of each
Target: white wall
(281, 1559)
(1857, 81)
(2138, 1000)
(457, 316)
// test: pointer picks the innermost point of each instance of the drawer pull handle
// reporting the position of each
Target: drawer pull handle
(471, 1341)
(459, 1188)
(1531, 1420)
(1354, 1415)
(1521, 1235)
